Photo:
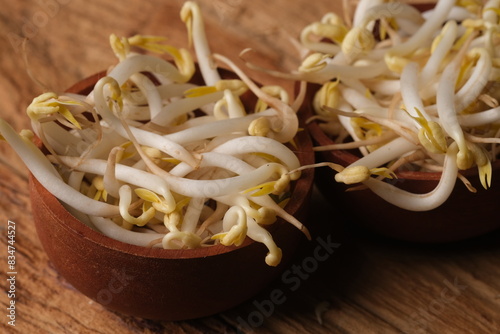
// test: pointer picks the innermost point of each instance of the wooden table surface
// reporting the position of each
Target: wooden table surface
(368, 285)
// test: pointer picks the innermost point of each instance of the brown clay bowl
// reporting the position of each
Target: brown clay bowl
(463, 215)
(157, 283)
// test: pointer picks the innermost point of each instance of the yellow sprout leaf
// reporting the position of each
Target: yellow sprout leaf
(358, 40)
(284, 202)
(116, 97)
(267, 156)
(236, 86)
(157, 202)
(261, 189)
(463, 38)
(200, 91)
(328, 95)
(98, 186)
(219, 236)
(481, 158)
(385, 172)
(485, 173)
(395, 63)
(48, 104)
(313, 62)
(235, 236)
(362, 125)
(147, 195)
(97, 195)
(69, 116)
(431, 135)
(496, 10)
(171, 160)
(124, 154)
(120, 46)
(271, 187)
(151, 43)
(182, 57)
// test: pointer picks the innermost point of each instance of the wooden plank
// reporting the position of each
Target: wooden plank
(370, 285)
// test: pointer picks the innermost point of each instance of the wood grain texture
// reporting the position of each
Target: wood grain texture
(366, 285)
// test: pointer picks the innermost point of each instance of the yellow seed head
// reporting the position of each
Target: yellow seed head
(313, 63)
(259, 127)
(328, 95)
(358, 41)
(352, 175)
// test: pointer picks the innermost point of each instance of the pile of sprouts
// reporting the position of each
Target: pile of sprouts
(410, 90)
(150, 159)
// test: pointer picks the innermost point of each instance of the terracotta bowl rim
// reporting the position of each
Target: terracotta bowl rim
(302, 186)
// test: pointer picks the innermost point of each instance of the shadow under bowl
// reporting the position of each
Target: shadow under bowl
(165, 284)
(464, 215)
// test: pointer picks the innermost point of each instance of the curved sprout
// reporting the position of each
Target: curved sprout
(424, 33)
(49, 178)
(420, 202)
(288, 120)
(184, 186)
(234, 226)
(448, 114)
(112, 230)
(191, 15)
(145, 137)
(444, 42)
